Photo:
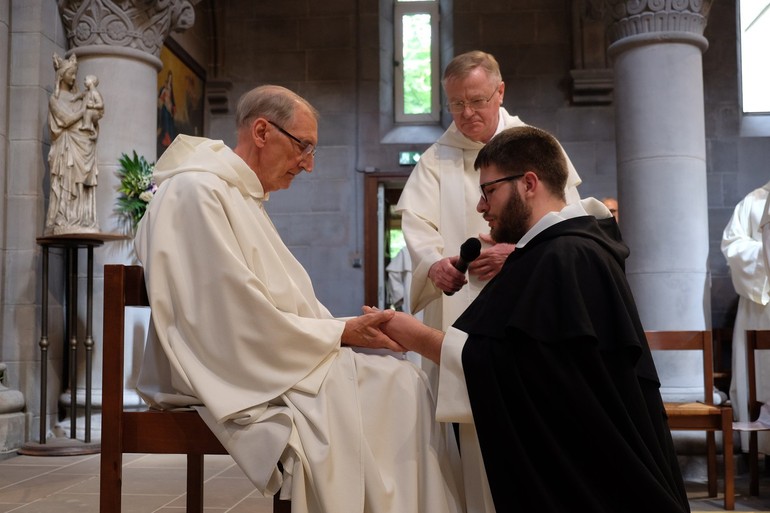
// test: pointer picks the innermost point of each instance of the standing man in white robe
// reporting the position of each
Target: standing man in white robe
(745, 254)
(438, 209)
(238, 333)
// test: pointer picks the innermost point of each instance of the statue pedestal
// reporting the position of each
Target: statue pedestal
(71, 243)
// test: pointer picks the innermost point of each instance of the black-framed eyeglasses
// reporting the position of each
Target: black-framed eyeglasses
(484, 185)
(308, 150)
(477, 104)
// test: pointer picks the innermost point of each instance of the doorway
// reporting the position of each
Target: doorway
(383, 238)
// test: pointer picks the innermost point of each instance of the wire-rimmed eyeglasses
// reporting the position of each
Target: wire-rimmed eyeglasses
(458, 107)
(484, 185)
(308, 150)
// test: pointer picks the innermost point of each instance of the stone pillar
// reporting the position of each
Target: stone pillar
(656, 47)
(120, 43)
(12, 420)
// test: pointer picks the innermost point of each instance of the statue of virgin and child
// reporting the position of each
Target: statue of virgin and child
(73, 120)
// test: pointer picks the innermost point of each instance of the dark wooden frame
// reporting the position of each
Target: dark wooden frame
(371, 182)
(756, 340)
(701, 416)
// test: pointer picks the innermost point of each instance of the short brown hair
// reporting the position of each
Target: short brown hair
(526, 148)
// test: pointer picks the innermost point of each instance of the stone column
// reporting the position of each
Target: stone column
(12, 420)
(656, 47)
(120, 43)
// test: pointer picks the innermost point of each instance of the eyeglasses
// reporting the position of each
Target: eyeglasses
(484, 185)
(308, 150)
(477, 104)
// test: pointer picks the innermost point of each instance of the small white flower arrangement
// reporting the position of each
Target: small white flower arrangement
(136, 189)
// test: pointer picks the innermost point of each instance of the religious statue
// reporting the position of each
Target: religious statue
(73, 119)
(94, 105)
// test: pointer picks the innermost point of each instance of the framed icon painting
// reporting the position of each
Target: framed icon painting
(180, 95)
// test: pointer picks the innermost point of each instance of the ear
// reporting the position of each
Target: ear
(259, 132)
(531, 183)
(501, 88)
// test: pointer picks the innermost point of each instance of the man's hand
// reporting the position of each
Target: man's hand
(491, 260)
(412, 334)
(445, 276)
(364, 331)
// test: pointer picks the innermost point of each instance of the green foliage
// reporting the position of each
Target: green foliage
(136, 188)
(417, 65)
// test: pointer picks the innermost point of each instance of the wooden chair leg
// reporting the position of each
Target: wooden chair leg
(195, 483)
(111, 481)
(753, 464)
(729, 458)
(711, 463)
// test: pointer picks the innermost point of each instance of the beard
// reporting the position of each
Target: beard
(513, 220)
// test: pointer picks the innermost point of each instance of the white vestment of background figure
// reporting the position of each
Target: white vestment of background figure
(742, 247)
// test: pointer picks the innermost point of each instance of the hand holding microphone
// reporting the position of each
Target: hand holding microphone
(469, 251)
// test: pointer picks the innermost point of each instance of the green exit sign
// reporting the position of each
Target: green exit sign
(408, 158)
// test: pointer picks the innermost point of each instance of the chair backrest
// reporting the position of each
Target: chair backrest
(124, 287)
(688, 341)
(755, 340)
(145, 431)
(167, 432)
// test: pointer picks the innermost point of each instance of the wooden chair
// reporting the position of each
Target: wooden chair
(723, 343)
(755, 340)
(705, 416)
(145, 431)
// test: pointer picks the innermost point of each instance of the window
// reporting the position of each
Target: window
(754, 36)
(416, 61)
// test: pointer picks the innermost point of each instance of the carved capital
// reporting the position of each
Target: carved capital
(139, 24)
(640, 17)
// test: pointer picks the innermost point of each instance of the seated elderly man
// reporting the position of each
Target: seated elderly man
(239, 334)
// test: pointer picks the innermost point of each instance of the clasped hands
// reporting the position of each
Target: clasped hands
(396, 331)
(446, 277)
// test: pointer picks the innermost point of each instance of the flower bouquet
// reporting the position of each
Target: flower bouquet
(136, 188)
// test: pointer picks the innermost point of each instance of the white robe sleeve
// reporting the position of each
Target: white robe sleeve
(742, 248)
(764, 228)
(453, 403)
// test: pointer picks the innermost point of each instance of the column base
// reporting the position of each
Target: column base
(59, 447)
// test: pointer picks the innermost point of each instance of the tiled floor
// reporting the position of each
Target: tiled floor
(151, 484)
(155, 484)
(700, 502)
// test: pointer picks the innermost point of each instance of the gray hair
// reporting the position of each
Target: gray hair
(462, 65)
(272, 102)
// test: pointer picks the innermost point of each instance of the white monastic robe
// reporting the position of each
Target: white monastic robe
(239, 334)
(438, 205)
(742, 247)
(438, 209)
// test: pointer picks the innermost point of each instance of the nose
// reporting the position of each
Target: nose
(307, 164)
(482, 205)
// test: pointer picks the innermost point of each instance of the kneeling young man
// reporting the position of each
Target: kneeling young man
(550, 361)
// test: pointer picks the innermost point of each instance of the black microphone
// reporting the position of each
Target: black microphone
(469, 251)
